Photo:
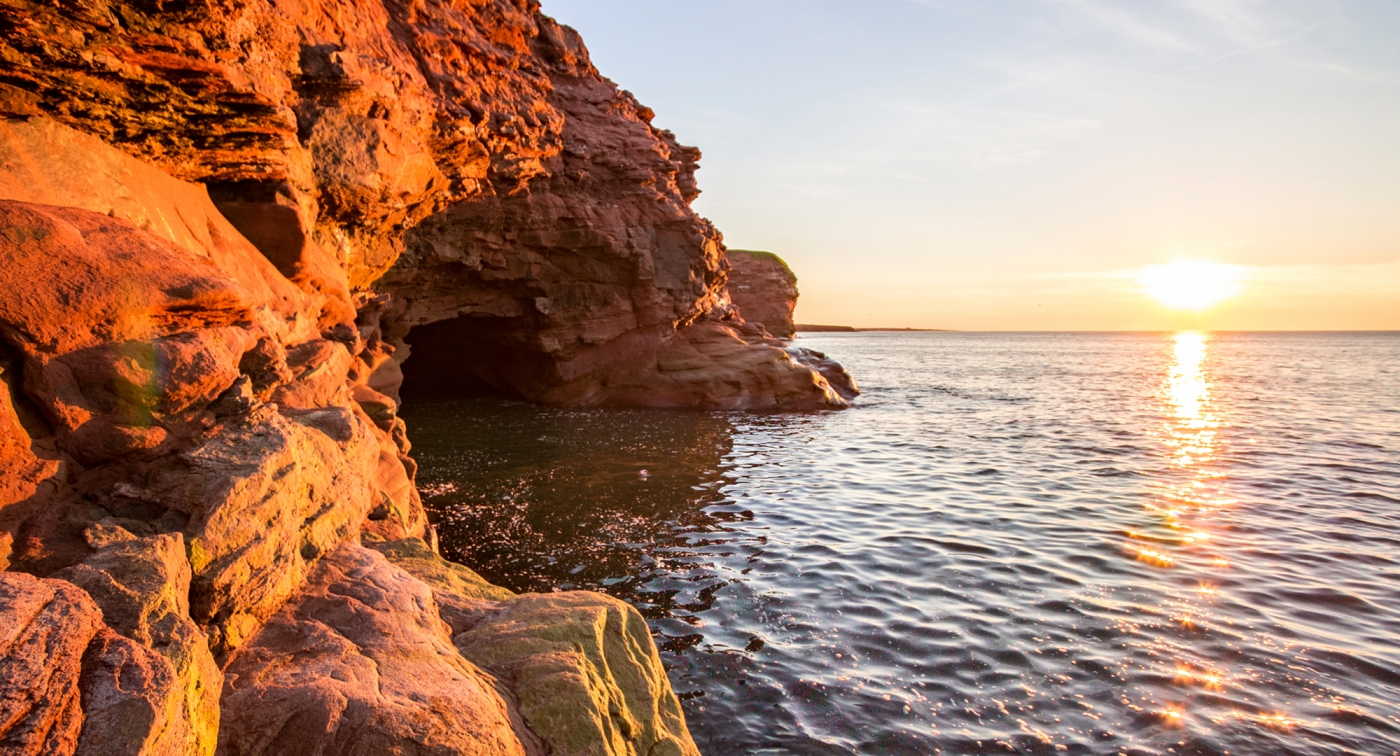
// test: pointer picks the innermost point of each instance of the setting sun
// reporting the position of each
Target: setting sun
(1191, 284)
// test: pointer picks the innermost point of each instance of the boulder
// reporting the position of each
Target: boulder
(582, 666)
(142, 586)
(45, 627)
(360, 663)
(265, 496)
(130, 700)
(586, 673)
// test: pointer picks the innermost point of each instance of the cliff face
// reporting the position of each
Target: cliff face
(226, 228)
(458, 164)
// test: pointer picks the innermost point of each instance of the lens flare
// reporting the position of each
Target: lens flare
(1191, 285)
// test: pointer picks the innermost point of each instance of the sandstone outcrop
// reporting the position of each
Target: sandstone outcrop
(764, 289)
(455, 164)
(360, 662)
(235, 238)
(154, 670)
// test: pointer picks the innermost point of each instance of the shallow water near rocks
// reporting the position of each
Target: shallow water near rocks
(1014, 543)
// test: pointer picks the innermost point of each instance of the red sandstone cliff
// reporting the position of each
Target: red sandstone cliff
(454, 164)
(227, 230)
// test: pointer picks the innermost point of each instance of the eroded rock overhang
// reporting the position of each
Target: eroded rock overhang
(439, 163)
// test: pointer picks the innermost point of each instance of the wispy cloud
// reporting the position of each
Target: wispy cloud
(1131, 26)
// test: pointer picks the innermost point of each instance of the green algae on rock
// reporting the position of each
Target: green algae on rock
(582, 666)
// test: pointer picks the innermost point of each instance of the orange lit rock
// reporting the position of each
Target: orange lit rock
(142, 586)
(463, 164)
(230, 235)
(49, 164)
(45, 627)
(359, 663)
(265, 496)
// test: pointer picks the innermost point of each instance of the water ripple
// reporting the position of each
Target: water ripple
(1049, 543)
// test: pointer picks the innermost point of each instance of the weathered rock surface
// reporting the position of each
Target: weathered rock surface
(450, 163)
(582, 666)
(266, 495)
(128, 697)
(361, 663)
(134, 342)
(45, 627)
(43, 162)
(586, 672)
(842, 382)
(764, 289)
(142, 586)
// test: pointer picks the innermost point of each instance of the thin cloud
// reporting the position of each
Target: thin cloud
(1130, 26)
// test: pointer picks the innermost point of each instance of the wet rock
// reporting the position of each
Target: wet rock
(360, 663)
(764, 289)
(841, 382)
(45, 627)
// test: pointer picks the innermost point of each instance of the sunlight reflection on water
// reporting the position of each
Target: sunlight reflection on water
(1029, 543)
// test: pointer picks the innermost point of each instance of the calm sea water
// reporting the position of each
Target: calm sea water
(1014, 543)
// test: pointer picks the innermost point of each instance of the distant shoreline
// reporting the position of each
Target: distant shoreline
(808, 328)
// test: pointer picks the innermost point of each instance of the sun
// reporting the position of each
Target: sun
(1192, 285)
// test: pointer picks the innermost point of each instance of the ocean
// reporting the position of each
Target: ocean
(1147, 543)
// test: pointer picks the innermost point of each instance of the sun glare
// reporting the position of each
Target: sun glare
(1191, 284)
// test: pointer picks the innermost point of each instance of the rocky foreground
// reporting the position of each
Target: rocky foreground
(230, 233)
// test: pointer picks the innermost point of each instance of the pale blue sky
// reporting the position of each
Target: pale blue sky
(1006, 163)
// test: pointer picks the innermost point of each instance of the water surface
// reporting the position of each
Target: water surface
(1014, 543)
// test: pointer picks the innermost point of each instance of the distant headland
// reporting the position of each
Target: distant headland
(809, 328)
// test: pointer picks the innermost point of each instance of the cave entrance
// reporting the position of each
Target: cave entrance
(465, 357)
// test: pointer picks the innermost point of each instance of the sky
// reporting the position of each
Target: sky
(1015, 164)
